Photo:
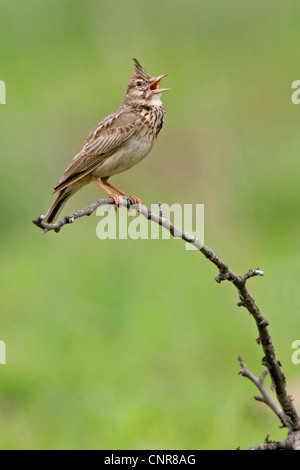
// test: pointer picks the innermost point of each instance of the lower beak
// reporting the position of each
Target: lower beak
(154, 86)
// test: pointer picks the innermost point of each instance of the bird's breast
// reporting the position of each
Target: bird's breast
(128, 155)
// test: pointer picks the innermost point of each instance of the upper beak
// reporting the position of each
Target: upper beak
(154, 86)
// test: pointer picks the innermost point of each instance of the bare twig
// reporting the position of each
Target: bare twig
(292, 442)
(69, 219)
(286, 412)
(265, 395)
(277, 445)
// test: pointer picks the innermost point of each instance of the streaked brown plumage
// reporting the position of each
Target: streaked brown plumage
(119, 142)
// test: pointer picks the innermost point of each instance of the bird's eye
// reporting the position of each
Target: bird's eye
(139, 83)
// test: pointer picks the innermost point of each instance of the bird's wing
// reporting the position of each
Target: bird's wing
(102, 142)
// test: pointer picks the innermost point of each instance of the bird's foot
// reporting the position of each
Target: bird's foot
(130, 201)
(136, 200)
(116, 199)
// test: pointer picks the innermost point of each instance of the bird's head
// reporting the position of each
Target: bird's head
(143, 87)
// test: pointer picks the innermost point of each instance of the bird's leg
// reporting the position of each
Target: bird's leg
(109, 193)
(104, 181)
(134, 199)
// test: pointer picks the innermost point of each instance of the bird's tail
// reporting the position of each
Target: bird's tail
(58, 204)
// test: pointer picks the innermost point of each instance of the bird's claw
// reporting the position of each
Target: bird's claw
(136, 200)
(117, 201)
(131, 200)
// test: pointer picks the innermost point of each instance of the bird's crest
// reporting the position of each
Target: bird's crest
(140, 72)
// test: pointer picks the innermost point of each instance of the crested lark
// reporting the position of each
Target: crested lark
(119, 142)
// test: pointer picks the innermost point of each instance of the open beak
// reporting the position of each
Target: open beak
(154, 86)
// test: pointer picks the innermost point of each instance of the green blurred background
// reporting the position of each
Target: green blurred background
(132, 344)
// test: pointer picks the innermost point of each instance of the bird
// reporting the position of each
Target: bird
(118, 142)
